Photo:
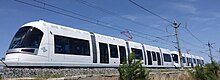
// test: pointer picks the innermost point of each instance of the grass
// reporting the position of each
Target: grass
(49, 76)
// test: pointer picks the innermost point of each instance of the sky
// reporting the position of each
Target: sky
(199, 21)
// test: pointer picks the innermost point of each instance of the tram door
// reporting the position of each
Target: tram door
(158, 58)
(122, 54)
(104, 57)
(149, 58)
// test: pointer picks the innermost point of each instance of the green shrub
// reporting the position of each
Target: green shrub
(208, 72)
(133, 70)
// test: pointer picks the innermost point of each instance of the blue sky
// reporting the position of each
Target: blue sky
(201, 16)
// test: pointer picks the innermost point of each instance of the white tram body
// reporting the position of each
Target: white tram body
(44, 44)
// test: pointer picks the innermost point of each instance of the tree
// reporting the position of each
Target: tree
(133, 70)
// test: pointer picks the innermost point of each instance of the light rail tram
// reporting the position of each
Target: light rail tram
(44, 44)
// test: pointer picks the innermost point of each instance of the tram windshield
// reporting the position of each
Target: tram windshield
(27, 37)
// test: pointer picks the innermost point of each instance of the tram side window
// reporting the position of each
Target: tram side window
(198, 61)
(167, 57)
(175, 58)
(79, 47)
(138, 53)
(62, 45)
(154, 56)
(104, 55)
(202, 62)
(189, 60)
(73, 46)
(194, 60)
(113, 51)
(184, 60)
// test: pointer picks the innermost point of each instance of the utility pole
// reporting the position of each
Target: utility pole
(210, 51)
(176, 26)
